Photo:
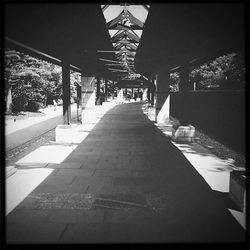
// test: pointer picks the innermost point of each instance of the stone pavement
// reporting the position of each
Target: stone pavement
(124, 183)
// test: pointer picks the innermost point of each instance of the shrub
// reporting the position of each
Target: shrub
(33, 106)
(19, 104)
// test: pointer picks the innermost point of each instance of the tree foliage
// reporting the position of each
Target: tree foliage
(226, 72)
(174, 81)
(31, 82)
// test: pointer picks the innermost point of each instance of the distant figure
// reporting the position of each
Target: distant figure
(54, 103)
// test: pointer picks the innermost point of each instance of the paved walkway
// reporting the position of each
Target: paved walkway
(125, 182)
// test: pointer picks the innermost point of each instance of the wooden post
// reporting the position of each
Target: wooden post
(98, 91)
(106, 90)
(113, 90)
(66, 92)
(148, 95)
(183, 88)
(79, 99)
(152, 91)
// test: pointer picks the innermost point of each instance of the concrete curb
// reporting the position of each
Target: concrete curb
(9, 171)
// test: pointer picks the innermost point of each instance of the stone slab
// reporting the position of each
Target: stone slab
(77, 216)
(38, 233)
(10, 170)
(75, 172)
(68, 134)
(66, 165)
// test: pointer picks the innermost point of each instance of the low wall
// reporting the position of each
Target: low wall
(220, 114)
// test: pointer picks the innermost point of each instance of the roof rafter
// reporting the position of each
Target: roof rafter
(105, 7)
(145, 7)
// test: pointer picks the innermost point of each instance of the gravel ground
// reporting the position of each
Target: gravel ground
(23, 115)
(17, 153)
(221, 150)
(21, 151)
(218, 149)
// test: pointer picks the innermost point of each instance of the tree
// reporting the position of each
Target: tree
(11, 64)
(174, 81)
(224, 72)
(30, 82)
(75, 79)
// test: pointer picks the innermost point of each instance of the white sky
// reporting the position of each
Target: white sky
(137, 11)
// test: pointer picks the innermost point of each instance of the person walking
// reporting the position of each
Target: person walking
(55, 104)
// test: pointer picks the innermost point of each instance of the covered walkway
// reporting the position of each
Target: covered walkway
(116, 177)
(125, 182)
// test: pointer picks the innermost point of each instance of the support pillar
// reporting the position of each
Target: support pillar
(88, 99)
(113, 90)
(98, 99)
(126, 92)
(144, 95)
(66, 133)
(148, 95)
(66, 92)
(185, 132)
(152, 92)
(162, 104)
(132, 93)
(183, 88)
(120, 96)
(106, 90)
(79, 100)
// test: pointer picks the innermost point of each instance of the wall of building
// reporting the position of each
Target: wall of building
(220, 114)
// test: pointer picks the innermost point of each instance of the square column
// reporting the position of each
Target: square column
(144, 95)
(151, 92)
(88, 98)
(148, 95)
(113, 90)
(98, 85)
(183, 89)
(79, 100)
(120, 96)
(162, 104)
(66, 92)
(106, 90)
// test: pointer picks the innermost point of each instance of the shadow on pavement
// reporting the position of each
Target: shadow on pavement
(125, 182)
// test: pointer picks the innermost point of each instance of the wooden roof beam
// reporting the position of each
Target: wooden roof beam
(118, 36)
(145, 7)
(133, 37)
(105, 7)
(135, 20)
(36, 53)
(120, 26)
(114, 21)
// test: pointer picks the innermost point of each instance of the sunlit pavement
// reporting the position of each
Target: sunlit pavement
(124, 182)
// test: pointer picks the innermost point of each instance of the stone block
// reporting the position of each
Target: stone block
(10, 170)
(183, 133)
(67, 133)
(237, 188)
(75, 172)
(89, 115)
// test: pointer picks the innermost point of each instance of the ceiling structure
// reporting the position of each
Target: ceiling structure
(125, 26)
(164, 37)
